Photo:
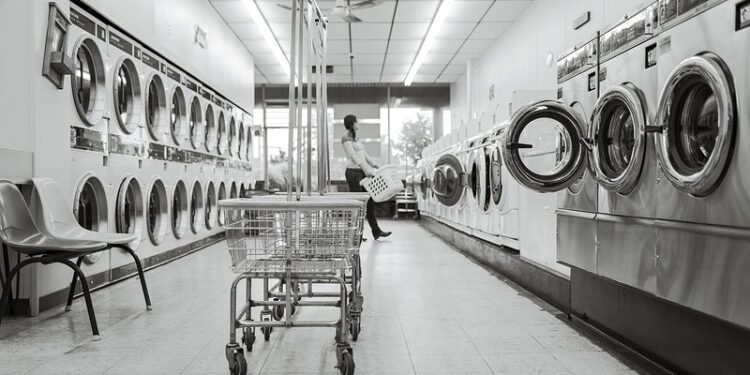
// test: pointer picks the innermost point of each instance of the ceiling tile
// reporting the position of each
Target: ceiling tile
(455, 30)
(337, 58)
(455, 69)
(367, 69)
(272, 70)
(449, 78)
(232, 11)
(490, 30)
(368, 58)
(264, 58)
(339, 79)
(462, 58)
(400, 58)
(476, 46)
(468, 11)
(246, 31)
(338, 46)
(370, 46)
(409, 30)
(425, 78)
(446, 46)
(257, 47)
(431, 69)
(338, 31)
(342, 69)
(367, 30)
(367, 78)
(506, 11)
(404, 46)
(380, 13)
(416, 11)
(393, 78)
(273, 12)
(437, 58)
(396, 69)
(278, 79)
(281, 30)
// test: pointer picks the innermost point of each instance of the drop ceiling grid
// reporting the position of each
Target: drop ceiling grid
(378, 58)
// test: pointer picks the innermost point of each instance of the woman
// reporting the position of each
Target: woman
(359, 165)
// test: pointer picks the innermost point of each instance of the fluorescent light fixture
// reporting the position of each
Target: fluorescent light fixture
(268, 35)
(429, 39)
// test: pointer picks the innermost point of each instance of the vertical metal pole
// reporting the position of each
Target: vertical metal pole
(388, 101)
(311, 29)
(292, 98)
(324, 92)
(321, 115)
(300, 93)
(266, 183)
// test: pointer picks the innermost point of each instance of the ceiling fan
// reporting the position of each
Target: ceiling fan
(343, 9)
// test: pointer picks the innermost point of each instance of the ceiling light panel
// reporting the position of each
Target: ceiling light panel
(446, 6)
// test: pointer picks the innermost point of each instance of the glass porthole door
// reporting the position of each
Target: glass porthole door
(697, 110)
(448, 180)
(618, 138)
(496, 174)
(544, 148)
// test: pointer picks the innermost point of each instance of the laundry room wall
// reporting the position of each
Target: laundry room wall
(169, 26)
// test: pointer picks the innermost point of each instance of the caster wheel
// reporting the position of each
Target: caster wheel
(267, 330)
(346, 366)
(355, 329)
(277, 313)
(239, 367)
(248, 338)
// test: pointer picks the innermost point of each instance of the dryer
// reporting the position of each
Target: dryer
(545, 149)
(704, 155)
(477, 170)
(222, 136)
(502, 208)
(449, 182)
(210, 115)
(622, 154)
(88, 117)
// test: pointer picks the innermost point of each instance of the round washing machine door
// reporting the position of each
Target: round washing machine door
(697, 110)
(127, 95)
(90, 208)
(179, 210)
(156, 108)
(156, 212)
(495, 180)
(448, 180)
(129, 208)
(473, 175)
(177, 115)
(88, 81)
(618, 138)
(485, 195)
(544, 148)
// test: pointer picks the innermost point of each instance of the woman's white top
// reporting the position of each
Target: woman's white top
(356, 156)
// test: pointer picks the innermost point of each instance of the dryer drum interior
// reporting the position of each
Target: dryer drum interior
(210, 212)
(179, 210)
(156, 212)
(544, 148)
(196, 207)
(90, 209)
(177, 116)
(618, 134)
(127, 92)
(194, 122)
(88, 81)
(210, 126)
(156, 104)
(129, 208)
(697, 108)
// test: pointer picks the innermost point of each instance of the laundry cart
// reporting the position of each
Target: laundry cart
(353, 279)
(297, 240)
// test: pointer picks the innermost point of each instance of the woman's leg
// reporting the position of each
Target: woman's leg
(353, 177)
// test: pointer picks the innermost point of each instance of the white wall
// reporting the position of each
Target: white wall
(518, 59)
(169, 27)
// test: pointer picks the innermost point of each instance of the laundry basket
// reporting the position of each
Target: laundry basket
(384, 185)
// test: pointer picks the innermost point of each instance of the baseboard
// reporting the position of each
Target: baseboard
(115, 275)
(687, 340)
(546, 284)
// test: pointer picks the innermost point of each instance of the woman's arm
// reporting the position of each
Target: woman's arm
(370, 161)
(362, 163)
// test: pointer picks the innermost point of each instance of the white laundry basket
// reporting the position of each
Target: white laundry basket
(384, 185)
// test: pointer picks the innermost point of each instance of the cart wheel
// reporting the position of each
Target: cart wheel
(248, 338)
(277, 313)
(239, 367)
(346, 366)
(355, 328)
(267, 330)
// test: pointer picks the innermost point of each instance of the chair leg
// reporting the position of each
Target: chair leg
(138, 264)
(73, 283)
(7, 287)
(86, 295)
(7, 274)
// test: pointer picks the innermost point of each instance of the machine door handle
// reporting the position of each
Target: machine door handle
(516, 146)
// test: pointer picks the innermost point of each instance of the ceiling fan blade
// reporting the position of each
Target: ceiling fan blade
(366, 4)
(350, 18)
(287, 7)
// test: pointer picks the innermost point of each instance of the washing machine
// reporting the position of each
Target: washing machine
(704, 155)
(211, 208)
(501, 200)
(233, 141)
(157, 104)
(88, 118)
(128, 204)
(476, 183)
(546, 150)
(622, 153)
(449, 182)
(179, 101)
(210, 114)
(222, 137)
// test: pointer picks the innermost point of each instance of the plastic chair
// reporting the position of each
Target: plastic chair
(19, 232)
(56, 219)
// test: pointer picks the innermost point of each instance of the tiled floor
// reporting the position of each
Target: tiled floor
(428, 310)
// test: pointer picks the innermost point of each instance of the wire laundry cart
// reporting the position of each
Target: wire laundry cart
(307, 239)
(353, 279)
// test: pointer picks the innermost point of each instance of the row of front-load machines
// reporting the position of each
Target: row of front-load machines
(646, 149)
(152, 150)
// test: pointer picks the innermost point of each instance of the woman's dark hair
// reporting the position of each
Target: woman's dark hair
(349, 121)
